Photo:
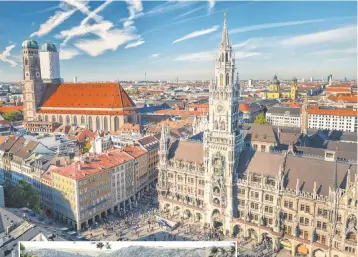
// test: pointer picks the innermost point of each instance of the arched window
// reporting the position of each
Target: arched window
(116, 123)
(53, 118)
(222, 57)
(26, 61)
(60, 120)
(39, 118)
(75, 120)
(82, 120)
(68, 120)
(105, 125)
(226, 57)
(221, 80)
(98, 123)
(89, 125)
(227, 79)
(46, 118)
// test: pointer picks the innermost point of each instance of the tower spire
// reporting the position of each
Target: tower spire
(225, 36)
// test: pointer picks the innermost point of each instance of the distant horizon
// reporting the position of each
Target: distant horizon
(193, 80)
(177, 39)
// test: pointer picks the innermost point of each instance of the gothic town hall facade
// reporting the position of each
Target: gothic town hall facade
(304, 204)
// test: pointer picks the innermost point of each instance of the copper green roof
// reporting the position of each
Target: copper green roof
(30, 44)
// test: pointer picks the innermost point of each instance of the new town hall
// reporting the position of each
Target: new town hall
(301, 198)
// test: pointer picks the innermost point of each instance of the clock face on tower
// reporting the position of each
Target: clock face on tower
(219, 108)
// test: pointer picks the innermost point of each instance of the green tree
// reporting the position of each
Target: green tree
(13, 116)
(260, 119)
(23, 195)
(86, 147)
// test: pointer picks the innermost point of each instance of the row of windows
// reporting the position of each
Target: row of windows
(83, 121)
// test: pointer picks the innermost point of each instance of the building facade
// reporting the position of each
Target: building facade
(284, 116)
(302, 203)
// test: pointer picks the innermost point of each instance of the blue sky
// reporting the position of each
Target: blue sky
(167, 40)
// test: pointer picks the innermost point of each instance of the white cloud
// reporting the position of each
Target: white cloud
(273, 25)
(211, 5)
(66, 54)
(189, 12)
(135, 44)
(109, 40)
(323, 37)
(168, 6)
(155, 55)
(211, 55)
(134, 7)
(196, 34)
(53, 22)
(200, 56)
(4, 56)
(335, 51)
(84, 28)
(128, 23)
(244, 55)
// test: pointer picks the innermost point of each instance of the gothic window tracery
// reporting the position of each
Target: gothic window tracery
(222, 125)
(227, 79)
(226, 57)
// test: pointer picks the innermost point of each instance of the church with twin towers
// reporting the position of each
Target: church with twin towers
(48, 101)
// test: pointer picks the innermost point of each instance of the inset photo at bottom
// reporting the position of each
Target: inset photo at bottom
(128, 249)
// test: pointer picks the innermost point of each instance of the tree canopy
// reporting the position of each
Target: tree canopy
(260, 119)
(23, 195)
(13, 116)
(86, 147)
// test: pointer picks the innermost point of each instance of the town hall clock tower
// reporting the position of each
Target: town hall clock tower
(223, 140)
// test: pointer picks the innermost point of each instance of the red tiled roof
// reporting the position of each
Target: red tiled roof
(97, 164)
(336, 112)
(244, 107)
(349, 98)
(338, 89)
(87, 95)
(134, 151)
(129, 127)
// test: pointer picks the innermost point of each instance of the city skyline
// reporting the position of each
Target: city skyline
(115, 40)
